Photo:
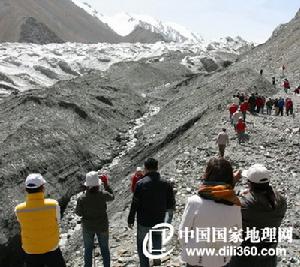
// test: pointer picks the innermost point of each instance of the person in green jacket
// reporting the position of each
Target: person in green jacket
(92, 207)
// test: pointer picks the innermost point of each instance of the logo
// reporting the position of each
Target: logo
(155, 241)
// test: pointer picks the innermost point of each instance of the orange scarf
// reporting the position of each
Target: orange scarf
(219, 193)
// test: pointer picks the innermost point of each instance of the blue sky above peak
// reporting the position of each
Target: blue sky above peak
(253, 20)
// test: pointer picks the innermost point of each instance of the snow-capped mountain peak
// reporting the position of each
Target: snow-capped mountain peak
(124, 24)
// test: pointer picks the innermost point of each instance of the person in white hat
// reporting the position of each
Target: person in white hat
(262, 208)
(92, 207)
(236, 116)
(39, 220)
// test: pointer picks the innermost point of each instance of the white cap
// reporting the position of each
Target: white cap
(240, 118)
(92, 179)
(34, 180)
(139, 169)
(258, 174)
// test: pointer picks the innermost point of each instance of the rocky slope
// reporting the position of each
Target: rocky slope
(184, 144)
(62, 133)
(54, 21)
(281, 49)
(141, 35)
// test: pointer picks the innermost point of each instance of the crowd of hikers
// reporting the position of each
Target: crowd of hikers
(216, 204)
(256, 104)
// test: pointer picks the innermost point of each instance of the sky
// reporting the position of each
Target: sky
(253, 20)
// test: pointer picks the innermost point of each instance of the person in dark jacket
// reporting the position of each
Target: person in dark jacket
(281, 105)
(252, 103)
(273, 81)
(269, 105)
(152, 199)
(262, 208)
(92, 207)
(242, 98)
(275, 103)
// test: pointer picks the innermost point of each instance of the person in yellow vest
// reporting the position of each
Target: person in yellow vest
(39, 220)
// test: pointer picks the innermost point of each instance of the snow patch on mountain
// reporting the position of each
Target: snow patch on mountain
(87, 7)
(122, 23)
(230, 44)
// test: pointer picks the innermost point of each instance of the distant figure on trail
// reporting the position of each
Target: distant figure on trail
(289, 106)
(281, 104)
(259, 104)
(235, 98)
(232, 109)
(139, 174)
(39, 220)
(276, 107)
(240, 130)
(92, 207)
(263, 104)
(273, 81)
(269, 105)
(216, 206)
(297, 90)
(252, 103)
(283, 70)
(222, 141)
(153, 198)
(261, 72)
(286, 85)
(244, 108)
(242, 98)
(262, 207)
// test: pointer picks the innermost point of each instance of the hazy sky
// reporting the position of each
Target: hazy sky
(253, 20)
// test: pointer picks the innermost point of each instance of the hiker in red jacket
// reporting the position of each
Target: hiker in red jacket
(289, 106)
(136, 177)
(286, 85)
(232, 109)
(244, 107)
(259, 104)
(240, 130)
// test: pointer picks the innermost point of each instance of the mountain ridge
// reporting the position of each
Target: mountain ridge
(65, 19)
